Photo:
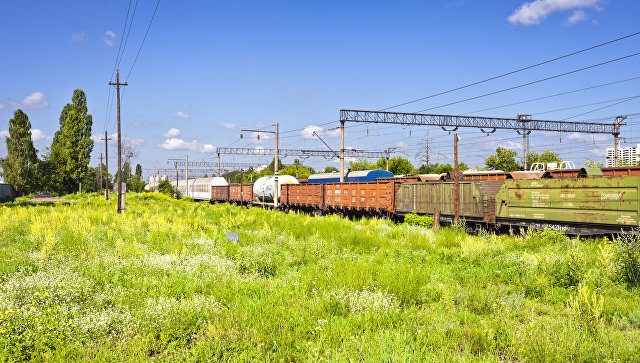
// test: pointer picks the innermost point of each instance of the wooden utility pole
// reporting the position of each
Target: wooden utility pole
(106, 139)
(276, 190)
(175, 165)
(119, 179)
(456, 187)
(100, 175)
(187, 176)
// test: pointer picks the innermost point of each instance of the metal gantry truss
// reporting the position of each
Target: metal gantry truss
(302, 153)
(523, 124)
(409, 119)
(212, 165)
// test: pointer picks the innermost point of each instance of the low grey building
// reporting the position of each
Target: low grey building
(6, 191)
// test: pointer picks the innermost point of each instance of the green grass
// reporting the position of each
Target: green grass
(79, 282)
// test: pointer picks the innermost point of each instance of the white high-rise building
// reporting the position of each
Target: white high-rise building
(626, 155)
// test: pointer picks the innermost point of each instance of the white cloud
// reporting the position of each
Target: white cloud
(2, 106)
(534, 12)
(402, 145)
(307, 132)
(259, 150)
(79, 37)
(109, 39)
(577, 16)
(181, 115)
(589, 138)
(186, 105)
(493, 143)
(36, 100)
(173, 132)
(37, 135)
(227, 125)
(4, 133)
(333, 132)
(180, 144)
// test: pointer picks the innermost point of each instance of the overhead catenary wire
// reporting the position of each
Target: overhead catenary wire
(601, 108)
(511, 72)
(554, 95)
(533, 82)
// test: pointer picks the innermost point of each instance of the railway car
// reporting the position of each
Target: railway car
(348, 198)
(199, 188)
(584, 202)
(591, 204)
(234, 193)
(350, 176)
(476, 200)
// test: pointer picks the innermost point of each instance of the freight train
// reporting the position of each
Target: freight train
(585, 201)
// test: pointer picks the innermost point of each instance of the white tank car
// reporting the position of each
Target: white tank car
(263, 187)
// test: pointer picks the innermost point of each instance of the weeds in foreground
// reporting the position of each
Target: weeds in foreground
(80, 283)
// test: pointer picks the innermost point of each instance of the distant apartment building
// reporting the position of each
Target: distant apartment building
(626, 155)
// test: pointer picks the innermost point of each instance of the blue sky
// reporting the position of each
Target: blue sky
(208, 69)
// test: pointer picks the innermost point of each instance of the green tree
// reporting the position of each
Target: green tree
(20, 166)
(165, 187)
(361, 164)
(126, 170)
(504, 159)
(440, 168)
(139, 171)
(136, 185)
(592, 164)
(330, 169)
(397, 165)
(72, 145)
(547, 156)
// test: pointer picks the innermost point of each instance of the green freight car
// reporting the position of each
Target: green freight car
(477, 200)
(591, 205)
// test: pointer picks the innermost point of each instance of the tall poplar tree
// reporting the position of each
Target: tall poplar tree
(20, 165)
(72, 145)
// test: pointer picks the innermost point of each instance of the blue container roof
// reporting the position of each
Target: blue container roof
(352, 176)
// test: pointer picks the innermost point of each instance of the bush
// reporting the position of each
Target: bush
(416, 220)
(165, 187)
(628, 256)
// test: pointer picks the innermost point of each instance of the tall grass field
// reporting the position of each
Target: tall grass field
(79, 282)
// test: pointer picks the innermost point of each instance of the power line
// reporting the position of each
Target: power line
(124, 29)
(532, 82)
(588, 104)
(126, 39)
(601, 108)
(554, 95)
(143, 39)
(510, 73)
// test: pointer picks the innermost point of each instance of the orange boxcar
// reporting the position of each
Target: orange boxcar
(220, 193)
(367, 197)
(241, 193)
(302, 195)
